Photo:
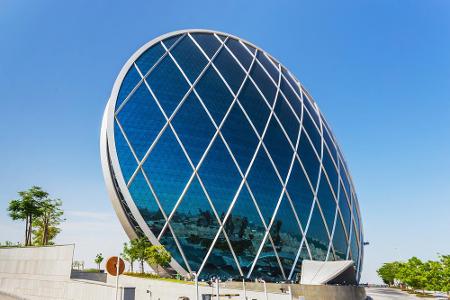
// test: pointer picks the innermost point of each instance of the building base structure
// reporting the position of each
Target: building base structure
(37, 273)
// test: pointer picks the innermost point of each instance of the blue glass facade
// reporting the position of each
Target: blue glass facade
(229, 161)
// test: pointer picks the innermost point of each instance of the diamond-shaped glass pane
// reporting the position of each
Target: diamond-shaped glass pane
(214, 94)
(168, 84)
(262, 80)
(268, 65)
(354, 247)
(220, 177)
(329, 142)
(267, 266)
(189, 58)
(317, 236)
(327, 202)
(345, 210)
(309, 159)
(149, 58)
(169, 243)
(221, 262)
(313, 131)
(195, 225)
(146, 203)
(265, 185)
(308, 103)
(193, 127)
(279, 148)
(291, 97)
(208, 42)
(131, 79)
(245, 229)
(240, 52)
(168, 170)
(230, 70)
(287, 119)
(292, 81)
(286, 235)
(331, 170)
(340, 240)
(127, 161)
(171, 40)
(255, 106)
(141, 120)
(240, 137)
(300, 193)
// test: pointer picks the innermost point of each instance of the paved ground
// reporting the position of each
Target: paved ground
(388, 294)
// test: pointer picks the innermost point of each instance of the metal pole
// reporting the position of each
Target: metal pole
(290, 291)
(217, 288)
(117, 277)
(196, 285)
(265, 289)
(243, 287)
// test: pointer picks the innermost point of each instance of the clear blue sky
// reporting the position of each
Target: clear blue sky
(379, 70)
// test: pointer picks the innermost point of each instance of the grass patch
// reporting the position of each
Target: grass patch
(156, 277)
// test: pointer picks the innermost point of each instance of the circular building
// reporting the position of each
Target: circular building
(212, 148)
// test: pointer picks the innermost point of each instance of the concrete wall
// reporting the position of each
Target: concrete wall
(43, 273)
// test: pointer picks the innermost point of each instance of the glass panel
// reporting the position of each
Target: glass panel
(254, 106)
(345, 210)
(195, 225)
(287, 119)
(129, 82)
(251, 48)
(279, 148)
(286, 235)
(344, 179)
(220, 262)
(292, 81)
(267, 266)
(215, 95)
(309, 106)
(327, 202)
(146, 203)
(220, 177)
(222, 37)
(328, 141)
(141, 120)
(230, 70)
(245, 230)
(355, 213)
(189, 58)
(126, 159)
(167, 170)
(194, 127)
(291, 97)
(169, 243)
(208, 42)
(240, 137)
(240, 52)
(317, 236)
(309, 159)
(340, 241)
(270, 68)
(313, 131)
(264, 184)
(171, 40)
(149, 58)
(331, 170)
(354, 247)
(168, 84)
(262, 80)
(297, 273)
(300, 193)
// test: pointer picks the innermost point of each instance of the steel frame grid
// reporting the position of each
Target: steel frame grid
(186, 34)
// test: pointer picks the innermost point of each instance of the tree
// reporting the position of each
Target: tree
(445, 279)
(129, 255)
(27, 208)
(389, 272)
(158, 255)
(48, 221)
(139, 247)
(98, 260)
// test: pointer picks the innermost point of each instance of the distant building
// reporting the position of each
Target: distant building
(215, 150)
